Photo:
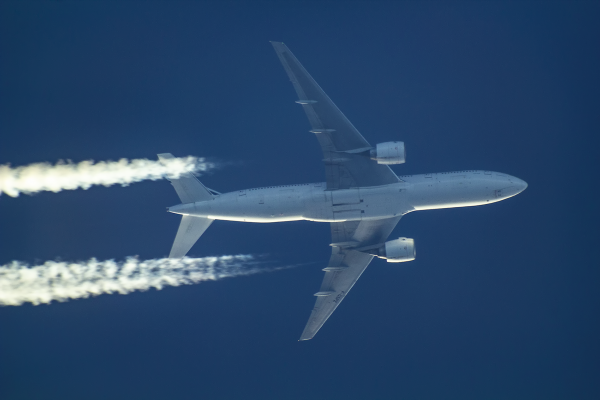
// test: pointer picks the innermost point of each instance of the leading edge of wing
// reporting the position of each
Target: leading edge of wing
(334, 289)
(345, 266)
(324, 116)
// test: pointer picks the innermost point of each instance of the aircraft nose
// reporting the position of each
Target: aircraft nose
(513, 187)
(521, 185)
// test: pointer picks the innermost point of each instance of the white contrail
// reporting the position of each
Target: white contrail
(61, 281)
(68, 176)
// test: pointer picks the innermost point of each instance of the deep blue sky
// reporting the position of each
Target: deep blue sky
(502, 301)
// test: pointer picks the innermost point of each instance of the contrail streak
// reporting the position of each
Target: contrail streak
(61, 281)
(69, 176)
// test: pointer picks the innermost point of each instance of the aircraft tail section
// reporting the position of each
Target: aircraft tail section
(190, 190)
(190, 230)
(188, 187)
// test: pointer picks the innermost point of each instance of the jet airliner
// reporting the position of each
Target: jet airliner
(362, 198)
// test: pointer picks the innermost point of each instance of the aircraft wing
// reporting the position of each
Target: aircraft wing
(345, 151)
(345, 265)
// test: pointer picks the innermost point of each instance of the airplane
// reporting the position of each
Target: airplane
(362, 198)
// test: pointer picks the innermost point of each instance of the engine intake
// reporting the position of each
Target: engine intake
(399, 250)
(389, 153)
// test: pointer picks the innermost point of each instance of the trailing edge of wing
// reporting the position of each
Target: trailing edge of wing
(334, 289)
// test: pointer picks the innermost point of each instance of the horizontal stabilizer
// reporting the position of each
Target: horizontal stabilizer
(188, 187)
(190, 230)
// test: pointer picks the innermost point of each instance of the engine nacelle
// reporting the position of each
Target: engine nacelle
(389, 153)
(399, 250)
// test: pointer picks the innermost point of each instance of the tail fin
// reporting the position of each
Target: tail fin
(188, 187)
(190, 190)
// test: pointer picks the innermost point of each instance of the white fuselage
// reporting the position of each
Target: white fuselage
(312, 202)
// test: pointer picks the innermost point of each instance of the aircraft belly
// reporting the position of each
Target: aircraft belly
(262, 206)
(318, 204)
(385, 204)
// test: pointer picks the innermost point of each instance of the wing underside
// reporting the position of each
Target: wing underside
(346, 155)
(345, 265)
(345, 150)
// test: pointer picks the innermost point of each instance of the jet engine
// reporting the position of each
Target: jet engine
(389, 153)
(399, 250)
